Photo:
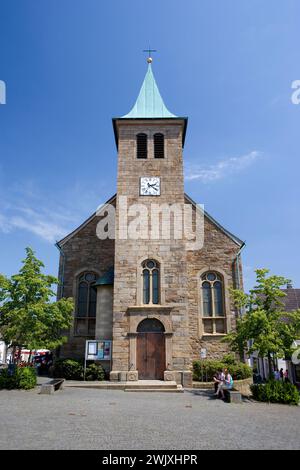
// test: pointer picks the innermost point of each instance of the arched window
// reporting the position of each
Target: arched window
(151, 282)
(213, 309)
(159, 145)
(85, 316)
(141, 145)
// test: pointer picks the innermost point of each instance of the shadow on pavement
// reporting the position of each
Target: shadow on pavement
(209, 395)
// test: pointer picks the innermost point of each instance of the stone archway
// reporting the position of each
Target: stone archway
(150, 349)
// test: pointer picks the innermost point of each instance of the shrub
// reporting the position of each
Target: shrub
(7, 381)
(276, 392)
(94, 372)
(69, 369)
(26, 377)
(229, 359)
(23, 378)
(240, 371)
(208, 367)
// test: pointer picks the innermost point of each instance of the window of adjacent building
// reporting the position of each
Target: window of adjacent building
(151, 282)
(159, 145)
(85, 315)
(213, 310)
(141, 145)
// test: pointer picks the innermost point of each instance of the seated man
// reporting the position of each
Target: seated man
(227, 384)
(218, 378)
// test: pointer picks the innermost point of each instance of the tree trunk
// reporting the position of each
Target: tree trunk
(14, 354)
(19, 355)
(271, 371)
(242, 355)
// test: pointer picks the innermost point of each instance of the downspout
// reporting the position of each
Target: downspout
(61, 283)
(62, 273)
(237, 270)
(238, 286)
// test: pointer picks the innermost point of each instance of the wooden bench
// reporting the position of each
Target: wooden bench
(233, 396)
(50, 387)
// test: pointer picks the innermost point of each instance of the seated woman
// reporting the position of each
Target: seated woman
(227, 384)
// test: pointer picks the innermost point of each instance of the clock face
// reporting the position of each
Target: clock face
(150, 186)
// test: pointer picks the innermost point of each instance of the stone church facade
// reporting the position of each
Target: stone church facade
(158, 298)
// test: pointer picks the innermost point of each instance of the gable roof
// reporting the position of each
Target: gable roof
(61, 242)
(292, 299)
(235, 239)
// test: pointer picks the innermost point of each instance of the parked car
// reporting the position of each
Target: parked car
(43, 362)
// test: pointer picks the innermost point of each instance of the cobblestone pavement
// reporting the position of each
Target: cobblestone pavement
(110, 419)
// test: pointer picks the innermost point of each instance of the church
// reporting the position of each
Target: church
(161, 300)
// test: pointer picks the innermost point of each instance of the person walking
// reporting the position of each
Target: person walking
(276, 374)
(281, 374)
(286, 376)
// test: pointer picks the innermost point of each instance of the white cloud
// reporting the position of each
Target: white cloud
(38, 224)
(20, 210)
(221, 169)
(24, 206)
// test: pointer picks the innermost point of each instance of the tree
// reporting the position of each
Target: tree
(28, 316)
(265, 327)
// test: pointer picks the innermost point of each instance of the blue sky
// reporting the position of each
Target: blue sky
(71, 65)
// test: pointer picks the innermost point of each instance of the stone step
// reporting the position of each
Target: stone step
(178, 389)
(151, 384)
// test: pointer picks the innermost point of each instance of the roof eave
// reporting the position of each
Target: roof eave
(237, 240)
(61, 242)
(177, 118)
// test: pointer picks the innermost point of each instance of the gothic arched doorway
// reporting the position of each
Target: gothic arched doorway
(150, 350)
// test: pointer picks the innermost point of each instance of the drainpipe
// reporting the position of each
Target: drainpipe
(238, 286)
(61, 283)
(237, 270)
(62, 272)
(237, 258)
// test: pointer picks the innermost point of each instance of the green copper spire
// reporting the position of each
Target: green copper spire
(149, 103)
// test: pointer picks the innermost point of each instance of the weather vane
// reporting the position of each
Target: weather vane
(149, 59)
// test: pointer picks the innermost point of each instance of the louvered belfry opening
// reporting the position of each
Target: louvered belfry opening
(159, 146)
(141, 146)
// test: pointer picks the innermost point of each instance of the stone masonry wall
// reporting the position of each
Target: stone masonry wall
(82, 252)
(218, 254)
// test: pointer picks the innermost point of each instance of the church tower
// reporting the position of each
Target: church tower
(150, 315)
(160, 299)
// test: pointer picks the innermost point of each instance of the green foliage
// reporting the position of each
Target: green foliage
(276, 392)
(206, 369)
(271, 329)
(26, 377)
(72, 369)
(23, 378)
(240, 371)
(69, 369)
(7, 381)
(28, 316)
(94, 372)
(229, 359)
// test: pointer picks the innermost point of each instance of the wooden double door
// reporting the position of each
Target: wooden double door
(151, 355)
